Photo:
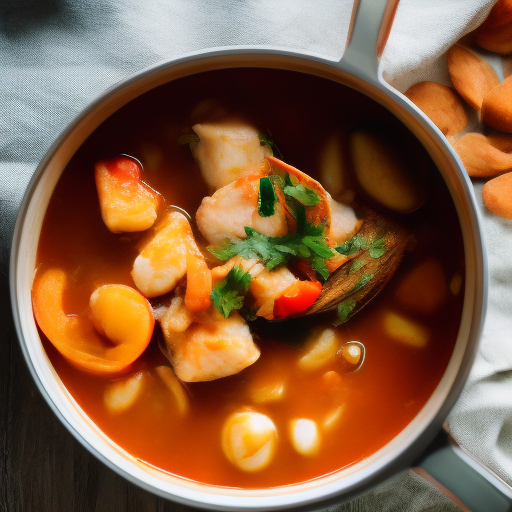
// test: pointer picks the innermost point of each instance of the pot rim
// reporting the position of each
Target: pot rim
(408, 444)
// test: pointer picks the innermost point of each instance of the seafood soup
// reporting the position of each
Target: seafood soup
(250, 278)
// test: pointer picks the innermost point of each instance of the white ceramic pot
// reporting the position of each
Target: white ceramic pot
(357, 69)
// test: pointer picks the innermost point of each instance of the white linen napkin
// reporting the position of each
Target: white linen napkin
(58, 56)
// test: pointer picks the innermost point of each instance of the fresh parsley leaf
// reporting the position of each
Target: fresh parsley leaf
(309, 244)
(345, 308)
(357, 264)
(304, 195)
(356, 243)
(229, 294)
(266, 198)
(378, 248)
(365, 279)
(319, 265)
(317, 245)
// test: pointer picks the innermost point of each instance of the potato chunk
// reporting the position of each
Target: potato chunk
(122, 394)
(305, 436)
(405, 330)
(175, 387)
(321, 349)
(384, 173)
(423, 290)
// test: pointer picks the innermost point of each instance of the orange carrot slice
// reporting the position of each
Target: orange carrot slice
(123, 318)
(199, 277)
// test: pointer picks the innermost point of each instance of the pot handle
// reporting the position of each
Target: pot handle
(367, 36)
(474, 485)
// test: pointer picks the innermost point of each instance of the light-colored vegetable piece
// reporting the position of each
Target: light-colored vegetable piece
(456, 283)
(162, 261)
(227, 150)
(405, 330)
(249, 440)
(269, 390)
(384, 174)
(441, 104)
(480, 157)
(211, 347)
(73, 334)
(321, 349)
(305, 436)
(471, 76)
(333, 175)
(122, 394)
(175, 387)
(497, 106)
(230, 209)
(423, 289)
(126, 203)
(332, 418)
(497, 195)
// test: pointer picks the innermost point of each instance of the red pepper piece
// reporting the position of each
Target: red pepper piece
(296, 298)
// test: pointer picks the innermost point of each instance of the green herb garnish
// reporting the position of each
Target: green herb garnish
(345, 308)
(229, 294)
(304, 195)
(378, 248)
(266, 198)
(365, 279)
(308, 243)
(359, 242)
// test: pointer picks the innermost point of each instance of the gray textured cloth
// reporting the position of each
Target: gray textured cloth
(58, 55)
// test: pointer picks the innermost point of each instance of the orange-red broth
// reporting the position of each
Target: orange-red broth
(379, 399)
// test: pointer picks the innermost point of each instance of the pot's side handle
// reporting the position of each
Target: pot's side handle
(368, 33)
(475, 486)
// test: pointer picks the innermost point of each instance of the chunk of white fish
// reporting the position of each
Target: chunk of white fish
(162, 261)
(227, 150)
(230, 209)
(210, 347)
